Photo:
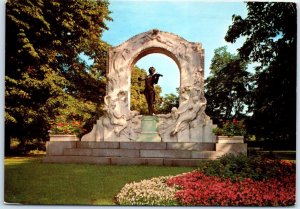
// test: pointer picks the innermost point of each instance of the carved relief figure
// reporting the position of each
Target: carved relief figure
(181, 50)
(116, 119)
(188, 111)
(196, 47)
(167, 122)
(198, 81)
(134, 125)
(117, 76)
(132, 128)
(154, 35)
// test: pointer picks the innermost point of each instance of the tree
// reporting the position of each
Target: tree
(137, 97)
(45, 74)
(158, 99)
(227, 87)
(270, 29)
(168, 102)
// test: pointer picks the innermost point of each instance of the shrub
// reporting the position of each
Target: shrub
(27, 147)
(62, 125)
(201, 190)
(147, 192)
(36, 152)
(230, 128)
(240, 167)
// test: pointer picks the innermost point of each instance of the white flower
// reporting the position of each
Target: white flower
(147, 192)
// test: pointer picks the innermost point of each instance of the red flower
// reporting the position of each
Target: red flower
(60, 124)
(199, 189)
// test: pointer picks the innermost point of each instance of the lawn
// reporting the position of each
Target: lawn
(29, 181)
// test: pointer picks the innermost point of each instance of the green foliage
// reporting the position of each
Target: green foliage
(270, 29)
(37, 152)
(240, 167)
(33, 146)
(158, 99)
(45, 74)
(14, 143)
(231, 128)
(63, 125)
(137, 97)
(227, 86)
(168, 102)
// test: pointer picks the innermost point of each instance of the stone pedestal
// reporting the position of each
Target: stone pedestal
(130, 153)
(62, 138)
(149, 130)
(230, 140)
(234, 145)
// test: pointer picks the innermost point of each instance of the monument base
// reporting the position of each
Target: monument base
(138, 153)
(149, 130)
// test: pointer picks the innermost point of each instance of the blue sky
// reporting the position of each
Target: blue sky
(195, 21)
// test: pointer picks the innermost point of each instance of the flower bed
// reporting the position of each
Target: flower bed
(147, 192)
(274, 185)
(201, 190)
(230, 128)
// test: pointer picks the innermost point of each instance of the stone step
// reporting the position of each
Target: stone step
(199, 146)
(98, 145)
(144, 145)
(76, 159)
(101, 152)
(122, 161)
(166, 153)
(138, 153)
(135, 153)
(148, 145)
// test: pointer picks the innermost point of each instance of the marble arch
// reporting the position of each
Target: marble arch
(188, 56)
(187, 123)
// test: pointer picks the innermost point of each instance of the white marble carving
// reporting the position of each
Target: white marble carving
(187, 123)
(166, 125)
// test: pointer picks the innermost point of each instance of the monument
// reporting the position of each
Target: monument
(189, 122)
(149, 123)
(123, 136)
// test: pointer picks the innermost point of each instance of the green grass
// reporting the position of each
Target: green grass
(29, 181)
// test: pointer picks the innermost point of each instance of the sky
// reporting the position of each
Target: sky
(196, 21)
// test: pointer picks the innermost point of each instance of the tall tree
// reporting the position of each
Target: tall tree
(137, 97)
(227, 86)
(270, 29)
(45, 74)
